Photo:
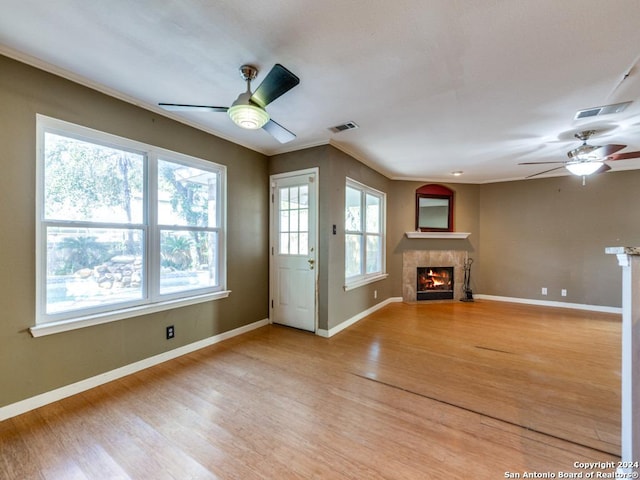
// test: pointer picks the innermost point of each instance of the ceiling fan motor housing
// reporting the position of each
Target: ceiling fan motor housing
(248, 72)
(581, 152)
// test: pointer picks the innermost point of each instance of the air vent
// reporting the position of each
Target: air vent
(604, 110)
(343, 127)
(588, 113)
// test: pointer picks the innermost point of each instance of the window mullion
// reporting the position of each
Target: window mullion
(363, 229)
(90, 224)
(152, 244)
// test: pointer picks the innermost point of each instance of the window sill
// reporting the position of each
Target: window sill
(73, 324)
(365, 281)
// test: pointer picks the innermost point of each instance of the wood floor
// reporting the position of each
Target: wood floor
(444, 390)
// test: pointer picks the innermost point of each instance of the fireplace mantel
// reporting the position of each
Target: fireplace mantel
(443, 235)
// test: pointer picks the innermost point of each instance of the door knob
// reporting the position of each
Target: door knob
(311, 262)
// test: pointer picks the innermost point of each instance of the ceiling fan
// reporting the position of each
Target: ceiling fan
(588, 159)
(248, 110)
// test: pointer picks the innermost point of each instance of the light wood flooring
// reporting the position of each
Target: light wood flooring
(415, 391)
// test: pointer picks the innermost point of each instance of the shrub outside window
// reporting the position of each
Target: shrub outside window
(123, 226)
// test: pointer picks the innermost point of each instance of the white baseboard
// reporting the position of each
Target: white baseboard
(28, 404)
(347, 323)
(549, 303)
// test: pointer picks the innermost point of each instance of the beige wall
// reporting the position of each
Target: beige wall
(345, 305)
(29, 366)
(302, 160)
(530, 234)
(552, 233)
(402, 218)
(334, 304)
(524, 235)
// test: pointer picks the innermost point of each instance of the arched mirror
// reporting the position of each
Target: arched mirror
(434, 208)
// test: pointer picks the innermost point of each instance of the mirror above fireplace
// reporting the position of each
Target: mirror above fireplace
(434, 208)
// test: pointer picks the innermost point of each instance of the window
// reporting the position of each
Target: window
(364, 235)
(124, 228)
(294, 220)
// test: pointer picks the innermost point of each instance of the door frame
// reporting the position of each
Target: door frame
(273, 232)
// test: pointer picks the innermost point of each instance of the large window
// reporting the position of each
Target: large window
(124, 228)
(364, 234)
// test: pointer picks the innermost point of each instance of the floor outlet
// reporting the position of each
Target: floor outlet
(563, 292)
(171, 332)
(544, 290)
(375, 294)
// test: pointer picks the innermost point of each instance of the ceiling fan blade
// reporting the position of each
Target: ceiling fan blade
(546, 171)
(177, 107)
(278, 132)
(277, 82)
(624, 156)
(606, 150)
(539, 163)
(603, 168)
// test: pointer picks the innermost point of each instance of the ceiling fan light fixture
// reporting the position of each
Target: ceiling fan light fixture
(583, 168)
(248, 116)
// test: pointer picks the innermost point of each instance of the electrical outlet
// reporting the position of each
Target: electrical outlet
(544, 290)
(171, 332)
(563, 292)
(375, 294)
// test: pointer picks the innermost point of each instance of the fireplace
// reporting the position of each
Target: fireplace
(412, 259)
(434, 283)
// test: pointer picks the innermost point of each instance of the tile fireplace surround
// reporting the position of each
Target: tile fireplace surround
(412, 259)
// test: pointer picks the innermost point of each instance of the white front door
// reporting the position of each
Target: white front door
(293, 269)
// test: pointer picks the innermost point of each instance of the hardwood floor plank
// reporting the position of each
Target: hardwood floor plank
(439, 390)
(16, 459)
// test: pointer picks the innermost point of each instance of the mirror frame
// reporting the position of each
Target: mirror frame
(434, 191)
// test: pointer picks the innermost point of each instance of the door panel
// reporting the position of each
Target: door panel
(293, 247)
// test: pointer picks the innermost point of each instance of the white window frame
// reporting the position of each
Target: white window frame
(363, 278)
(151, 301)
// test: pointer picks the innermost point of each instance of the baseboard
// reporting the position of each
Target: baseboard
(549, 303)
(347, 323)
(28, 404)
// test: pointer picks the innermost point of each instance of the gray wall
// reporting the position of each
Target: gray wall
(29, 366)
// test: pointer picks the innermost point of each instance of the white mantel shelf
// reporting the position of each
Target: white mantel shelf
(622, 250)
(444, 235)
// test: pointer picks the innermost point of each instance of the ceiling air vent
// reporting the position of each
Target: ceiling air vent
(343, 127)
(604, 110)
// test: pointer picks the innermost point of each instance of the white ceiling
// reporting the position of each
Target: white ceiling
(436, 86)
